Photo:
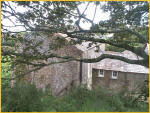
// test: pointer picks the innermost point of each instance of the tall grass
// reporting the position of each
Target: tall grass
(22, 97)
(26, 97)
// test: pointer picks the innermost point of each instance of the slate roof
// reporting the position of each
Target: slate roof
(117, 65)
(39, 42)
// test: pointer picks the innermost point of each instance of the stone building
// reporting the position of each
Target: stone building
(117, 74)
(106, 73)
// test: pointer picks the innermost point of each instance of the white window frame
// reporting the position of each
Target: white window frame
(100, 75)
(114, 77)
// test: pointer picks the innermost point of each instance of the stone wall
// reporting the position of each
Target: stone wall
(131, 81)
(58, 77)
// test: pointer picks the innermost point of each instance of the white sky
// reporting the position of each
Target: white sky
(100, 15)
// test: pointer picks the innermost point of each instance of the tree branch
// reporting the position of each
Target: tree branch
(93, 60)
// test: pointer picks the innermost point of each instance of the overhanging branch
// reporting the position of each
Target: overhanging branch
(141, 38)
(91, 60)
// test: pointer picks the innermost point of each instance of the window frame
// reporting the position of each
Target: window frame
(100, 75)
(112, 75)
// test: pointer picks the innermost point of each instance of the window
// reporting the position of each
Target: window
(101, 73)
(114, 74)
(97, 49)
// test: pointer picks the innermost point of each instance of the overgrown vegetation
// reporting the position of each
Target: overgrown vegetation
(6, 72)
(25, 97)
(22, 97)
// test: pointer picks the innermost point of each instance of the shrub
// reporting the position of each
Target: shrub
(6, 73)
(22, 97)
(145, 90)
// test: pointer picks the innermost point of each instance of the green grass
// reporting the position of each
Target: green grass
(25, 97)
(98, 100)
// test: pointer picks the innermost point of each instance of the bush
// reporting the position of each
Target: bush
(6, 73)
(97, 100)
(22, 97)
(145, 90)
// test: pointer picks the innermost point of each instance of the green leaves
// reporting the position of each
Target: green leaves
(127, 12)
(23, 3)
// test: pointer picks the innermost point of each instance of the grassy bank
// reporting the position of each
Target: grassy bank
(24, 97)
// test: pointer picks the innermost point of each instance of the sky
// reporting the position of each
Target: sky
(100, 15)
